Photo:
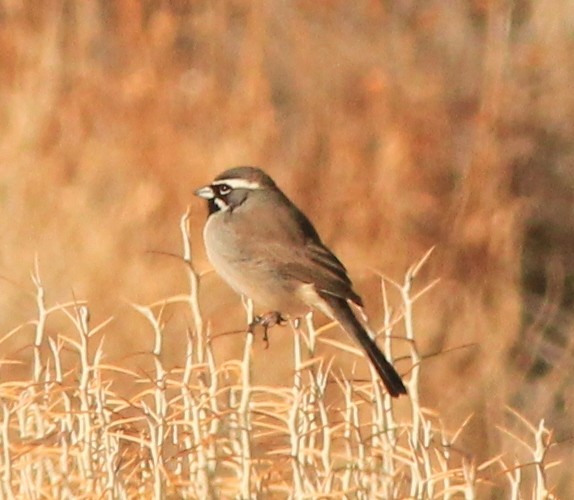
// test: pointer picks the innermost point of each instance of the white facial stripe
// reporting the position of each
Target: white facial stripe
(221, 204)
(238, 184)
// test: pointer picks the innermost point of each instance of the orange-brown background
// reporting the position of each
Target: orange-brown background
(396, 125)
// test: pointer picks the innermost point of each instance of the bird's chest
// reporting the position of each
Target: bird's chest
(238, 254)
(224, 240)
(231, 248)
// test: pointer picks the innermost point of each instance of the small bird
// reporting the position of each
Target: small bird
(265, 248)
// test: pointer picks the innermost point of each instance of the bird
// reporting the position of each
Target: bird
(266, 249)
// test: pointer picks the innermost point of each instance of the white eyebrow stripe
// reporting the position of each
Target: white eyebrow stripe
(238, 184)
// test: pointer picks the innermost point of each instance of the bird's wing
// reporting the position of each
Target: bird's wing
(289, 240)
(315, 264)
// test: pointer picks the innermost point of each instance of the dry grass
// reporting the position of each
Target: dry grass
(397, 126)
(206, 431)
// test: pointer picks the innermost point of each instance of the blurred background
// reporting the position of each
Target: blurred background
(395, 125)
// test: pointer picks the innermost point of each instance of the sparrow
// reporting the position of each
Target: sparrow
(266, 249)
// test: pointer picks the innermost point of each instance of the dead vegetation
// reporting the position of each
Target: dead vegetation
(397, 126)
(207, 431)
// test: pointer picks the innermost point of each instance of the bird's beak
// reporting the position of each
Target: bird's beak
(204, 192)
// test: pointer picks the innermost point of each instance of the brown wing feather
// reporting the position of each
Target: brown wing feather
(294, 246)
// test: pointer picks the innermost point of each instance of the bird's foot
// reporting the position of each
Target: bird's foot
(267, 321)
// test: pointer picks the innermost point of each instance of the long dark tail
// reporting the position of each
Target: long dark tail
(341, 311)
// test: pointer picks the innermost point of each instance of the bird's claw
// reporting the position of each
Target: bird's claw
(267, 321)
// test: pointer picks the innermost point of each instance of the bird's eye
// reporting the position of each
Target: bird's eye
(224, 189)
